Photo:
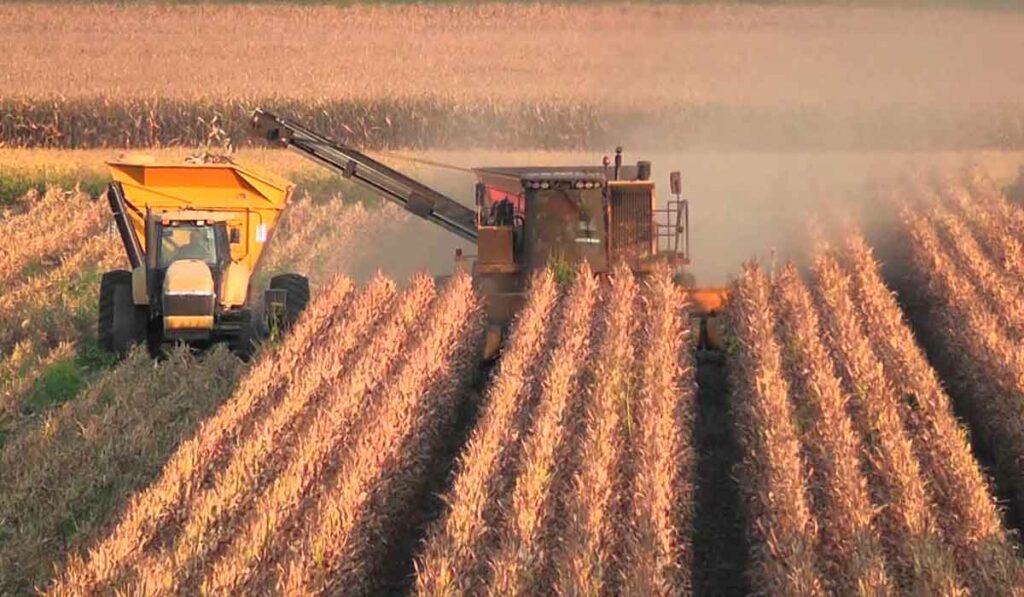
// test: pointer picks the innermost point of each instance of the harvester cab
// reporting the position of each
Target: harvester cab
(526, 218)
(194, 234)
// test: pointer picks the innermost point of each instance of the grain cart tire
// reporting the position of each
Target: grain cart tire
(121, 324)
(296, 289)
(245, 343)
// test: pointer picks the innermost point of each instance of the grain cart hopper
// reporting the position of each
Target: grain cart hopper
(194, 233)
(533, 217)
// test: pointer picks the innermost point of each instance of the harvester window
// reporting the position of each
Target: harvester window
(188, 241)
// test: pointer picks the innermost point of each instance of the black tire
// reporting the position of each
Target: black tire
(245, 343)
(121, 324)
(296, 287)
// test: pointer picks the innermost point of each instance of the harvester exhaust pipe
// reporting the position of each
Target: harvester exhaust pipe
(618, 162)
(115, 194)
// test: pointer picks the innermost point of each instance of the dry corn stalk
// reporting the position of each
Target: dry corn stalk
(454, 556)
(782, 530)
(850, 548)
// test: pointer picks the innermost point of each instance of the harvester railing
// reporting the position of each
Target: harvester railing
(672, 228)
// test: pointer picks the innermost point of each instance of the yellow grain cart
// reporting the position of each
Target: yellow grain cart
(194, 234)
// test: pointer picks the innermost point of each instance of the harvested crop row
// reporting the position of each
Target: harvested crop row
(51, 306)
(966, 509)
(197, 458)
(849, 546)
(57, 227)
(454, 556)
(530, 541)
(783, 532)
(985, 364)
(908, 525)
(64, 483)
(46, 311)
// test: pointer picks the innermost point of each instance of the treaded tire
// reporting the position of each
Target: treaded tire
(244, 345)
(121, 324)
(297, 288)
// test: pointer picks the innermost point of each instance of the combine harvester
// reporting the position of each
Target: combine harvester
(532, 217)
(194, 234)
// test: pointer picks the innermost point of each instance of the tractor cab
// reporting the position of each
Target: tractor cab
(204, 240)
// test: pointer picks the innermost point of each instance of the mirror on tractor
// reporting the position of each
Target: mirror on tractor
(676, 183)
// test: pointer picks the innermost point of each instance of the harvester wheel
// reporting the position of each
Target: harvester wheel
(121, 324)
(296, 288)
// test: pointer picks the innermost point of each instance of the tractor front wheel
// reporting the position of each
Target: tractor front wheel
(121, 324)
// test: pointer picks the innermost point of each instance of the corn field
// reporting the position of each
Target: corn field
(352, 406)
(964, 258)
(675, 76)
(877, 434)
(565, 485)
(858, 474)
(64, 402)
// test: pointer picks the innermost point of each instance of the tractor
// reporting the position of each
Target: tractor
(194, 234)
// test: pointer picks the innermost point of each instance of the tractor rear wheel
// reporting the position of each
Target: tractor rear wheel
(296, 289)
(121, 324)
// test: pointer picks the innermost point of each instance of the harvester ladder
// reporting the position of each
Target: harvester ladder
(351, 163)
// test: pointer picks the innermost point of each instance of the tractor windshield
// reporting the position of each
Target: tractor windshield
(188, 241)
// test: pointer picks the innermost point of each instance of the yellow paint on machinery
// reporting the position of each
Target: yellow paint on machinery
(194, 233)
(188, 322)
(188, 277)
(249, 200)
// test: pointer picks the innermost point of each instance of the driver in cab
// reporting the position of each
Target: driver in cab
(188, 243)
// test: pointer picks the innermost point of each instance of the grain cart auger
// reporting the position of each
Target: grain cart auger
(532, 217)
(194, 233)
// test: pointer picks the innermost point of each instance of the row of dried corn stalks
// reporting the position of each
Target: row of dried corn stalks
(324, 446)
(966, 259)
(858, 477)
(578, 477)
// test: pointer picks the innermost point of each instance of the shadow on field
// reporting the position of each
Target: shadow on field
(397, 570)
(720, 541)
